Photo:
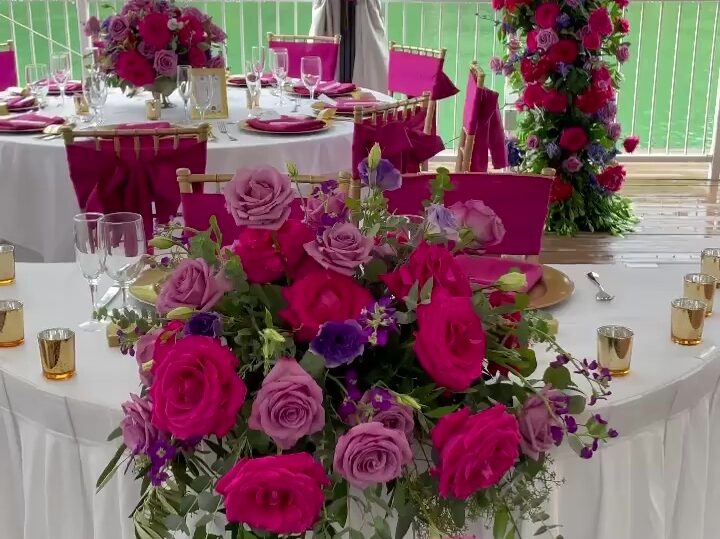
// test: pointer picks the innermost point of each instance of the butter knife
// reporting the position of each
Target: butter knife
(108, 296)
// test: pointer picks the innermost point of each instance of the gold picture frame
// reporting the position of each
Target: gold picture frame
(219, 105)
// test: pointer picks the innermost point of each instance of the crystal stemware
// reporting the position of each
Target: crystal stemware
(279, 60)
(122, 241)
(60, 72)
(185, 89)
(89, 258)
(258, 59)
(36, 77)
(95, 88)
(202, 94)
(310, 70)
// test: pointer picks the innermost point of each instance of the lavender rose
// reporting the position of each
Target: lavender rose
(118, 28)
(385, 176)
(614, 130)
(137, 429)
(394, 416)
(371, 453)
(166, 63)
(289, 404)
(496, 65)
(144, 351)
(546, 38)
(341, 248)
(217, 62)
(572, 164)
(259, 198)
(537, 423)
(440, 220)
(193, 284)
(146, 50)
(326, 211)
(622, 53)
(487, 227)
(216, 34)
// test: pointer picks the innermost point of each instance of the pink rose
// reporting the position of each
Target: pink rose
(572, 164)
(532, 142)
(370, 453)
(118, 28)
(197, 391)
(166, 63)
(534, 94)
(289, 404)
(197, 57)
(474, 450)
(600, 22)
(428, 261)
(259, 198)
(592, 41)
(623, 25)
(450, 342)
(487, 227)
(536, 422)
(154, 31)
(319, 297)
(279, 494)
(555, 102)
(332, 205)
(134, 68)
(630, 143)
(622, 53)
(546, 13)
(192, 31)
(573, 139)
(137, 430)
(397, 417)
(532, 44)
(193, 284)
(341, 248)
(546, 38)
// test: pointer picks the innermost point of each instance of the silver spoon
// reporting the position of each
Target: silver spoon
(602, 295)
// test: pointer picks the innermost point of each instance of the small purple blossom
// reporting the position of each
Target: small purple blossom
(496, 65)
(385, 176)
(560, 360)
(546, 38)
(378, 319)
(570, 424)
(586, 452)
(532, 142)
(614, 130)
(440, 220)
(508, 28)
(572, 164)
(563, 69)
(557, 434)
(553, 150)
(563, 20)
(612, 433)
(208, 324)
(346, 409)
(508, 69)
(160, 453)
(339, 343)
(596, 152)
(380, 399)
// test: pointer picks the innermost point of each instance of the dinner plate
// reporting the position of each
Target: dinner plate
(20, 110)
(22, 131)
(319, 105)
(554, 287)
(317, 93)
(146, 287)
(245, 127)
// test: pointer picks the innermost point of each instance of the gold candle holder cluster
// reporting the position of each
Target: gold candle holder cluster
(152, 109)
(614, 349)
(7, 264)
(12, 325)
(57, 353)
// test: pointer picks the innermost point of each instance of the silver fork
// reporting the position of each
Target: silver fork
(222, 126)
(602, 294)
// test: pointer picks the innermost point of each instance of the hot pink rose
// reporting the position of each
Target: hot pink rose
(532, 44)
(279, 494)
(474, 450)
(612, 178)
(319, 297)
(134, 68)
(622, 53)
(341, 248)
(592, 41)
(428, 261)
(165, 339)
(450, 342)
(573, 139)
(601, 22)
(623, 25)
(370, 453)
(630, 143)
(193, 284)
(192, 31)
(546, 13)
(497, 5)
(534, 94)
(197, 390)
(564, 51)
(289, 404)
(259, 198)
(622, 3)
(197, 57)
(555, 102)
(487, 227)
(154, 31)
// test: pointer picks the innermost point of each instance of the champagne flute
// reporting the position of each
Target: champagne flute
(279, 60)
(310, 69)
(185, 88)
(258, 60)
(88, 257)
(60, 71)
(202, 94)
(96, 91)
(122, 248)
(36, 77)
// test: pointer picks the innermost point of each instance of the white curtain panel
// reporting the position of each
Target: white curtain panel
(371, 46)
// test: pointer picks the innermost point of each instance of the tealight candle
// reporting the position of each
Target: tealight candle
(12, 332)
(7, 264)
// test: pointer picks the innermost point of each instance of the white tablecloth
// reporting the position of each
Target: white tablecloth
(659, 479)
(37, 197)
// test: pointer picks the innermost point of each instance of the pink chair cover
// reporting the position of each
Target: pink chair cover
(521, 201)
(8, 70)
(482, 118)
(403, 143)
(328, 53)
(107, 183)
(412, 74)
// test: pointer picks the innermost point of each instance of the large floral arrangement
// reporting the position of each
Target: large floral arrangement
(143, 44)
(563, 58)
(315, 366)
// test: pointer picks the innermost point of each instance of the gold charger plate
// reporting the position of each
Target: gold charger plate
(146, 286)
(554, 287)
(245, 127)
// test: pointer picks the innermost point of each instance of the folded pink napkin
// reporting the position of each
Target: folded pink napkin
(485, 270)
(286, 124)
(71, 87)
(29, 122)
(348, 104)
(330, 89)
(144, 125)
(20, 103)
(239, 80)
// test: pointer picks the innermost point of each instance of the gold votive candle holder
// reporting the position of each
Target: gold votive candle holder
(700, 286)
(614, 349)
(57, 353)
(81, 105)
(12, 325)
(687, 319)
(7, 264)
(152, 109)
(710, 263)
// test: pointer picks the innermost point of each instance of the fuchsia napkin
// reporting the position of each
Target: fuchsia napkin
(239, 80)
(71, 87)
(20, 102)
(485, 270)
(348, 104)
(330, 89)
(29, 122)
(286, 124)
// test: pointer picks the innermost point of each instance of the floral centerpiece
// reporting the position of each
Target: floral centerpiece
(316, 365)
(143, 44)
(563, 59)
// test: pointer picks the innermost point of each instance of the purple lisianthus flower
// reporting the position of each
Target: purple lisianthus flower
(508, 69)
(546, 38)
(596, 152)
(339, 343)
(207, 324)
(138, 432)
(161, 452)
(622, 53)
(614, 130)
(572, 164)
(118, 28)
(166, 63)
(563, 69)
(385, 176)
(378, 319)
(379, 398)
(532, 142)
(553, 150)
(496, 65)
(563, 20)
(440, 220)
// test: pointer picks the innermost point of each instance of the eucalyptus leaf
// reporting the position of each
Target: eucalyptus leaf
(373, 270)
(406, 515)
(114, 434)
(576, 404)
(382, 528)
(558, 377)
(110, 469)
(442, 411)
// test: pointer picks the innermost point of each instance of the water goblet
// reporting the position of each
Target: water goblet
(202, 94)
(122, 248)
(279, 60)
(95, 89)
(258, 59)
(310, 70)
(89, 259)
(60, 72)
(36, 77)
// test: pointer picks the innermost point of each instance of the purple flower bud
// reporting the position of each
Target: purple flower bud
(599, 419)
(570, 424)
(613, 433)
(586, 453)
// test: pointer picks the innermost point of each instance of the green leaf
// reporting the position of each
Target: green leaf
(205, 519)
(114, 434)
(258, 440)
(270, 295)
(558, 377)
(501, 526)
(235, 272)
(215, 230)
(110, 469)
(200, 483)
(405, 520)
(313, 364)
(575, 444)
(576, 404)
(174, 522)
(209, 502)
(201, 246)
(399, 495)
(457, 512)
(356, 534)
(442, 411)
(382, 528)
(339, 509)
(374, 269)
(426, 291)
(411, 300)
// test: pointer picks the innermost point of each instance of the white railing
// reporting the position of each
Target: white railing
(670, 96)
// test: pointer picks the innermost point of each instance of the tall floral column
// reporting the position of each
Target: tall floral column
(562, 58)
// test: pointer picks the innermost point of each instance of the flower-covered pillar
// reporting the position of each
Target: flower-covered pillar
(563, 58)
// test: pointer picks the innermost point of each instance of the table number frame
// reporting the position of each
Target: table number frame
(219, 108)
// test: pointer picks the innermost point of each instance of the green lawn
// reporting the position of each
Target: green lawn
(686, 26)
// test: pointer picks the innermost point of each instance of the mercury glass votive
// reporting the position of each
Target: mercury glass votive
(12, 325)
(614, 349)
(700, 286)
(57, 353)
(687, 319)
(81, 105)
(7, 264)
(710, 263)
(152, 109)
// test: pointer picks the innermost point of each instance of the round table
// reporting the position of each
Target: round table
(37, 195)
(660, 478)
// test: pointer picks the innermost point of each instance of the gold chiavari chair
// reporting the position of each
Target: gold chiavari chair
(467, 141)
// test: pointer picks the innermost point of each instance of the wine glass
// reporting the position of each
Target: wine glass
(36, 77)
(95, 89)
(122, 248)
(202, 94)
(310, 69)
(60, 71)
(184, 84)
(258, 60)
(279, 60)
(88, 257)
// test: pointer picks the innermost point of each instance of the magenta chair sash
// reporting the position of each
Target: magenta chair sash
(412, 74)
(8, 70)
(328, 53)
(106, 182)
(521, 201)
(482, 118)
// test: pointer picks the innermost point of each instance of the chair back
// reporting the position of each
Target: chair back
(198, 205)
(471, 113)
(327, 48)
(519, 200)
(133, 169)
(8, 66)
